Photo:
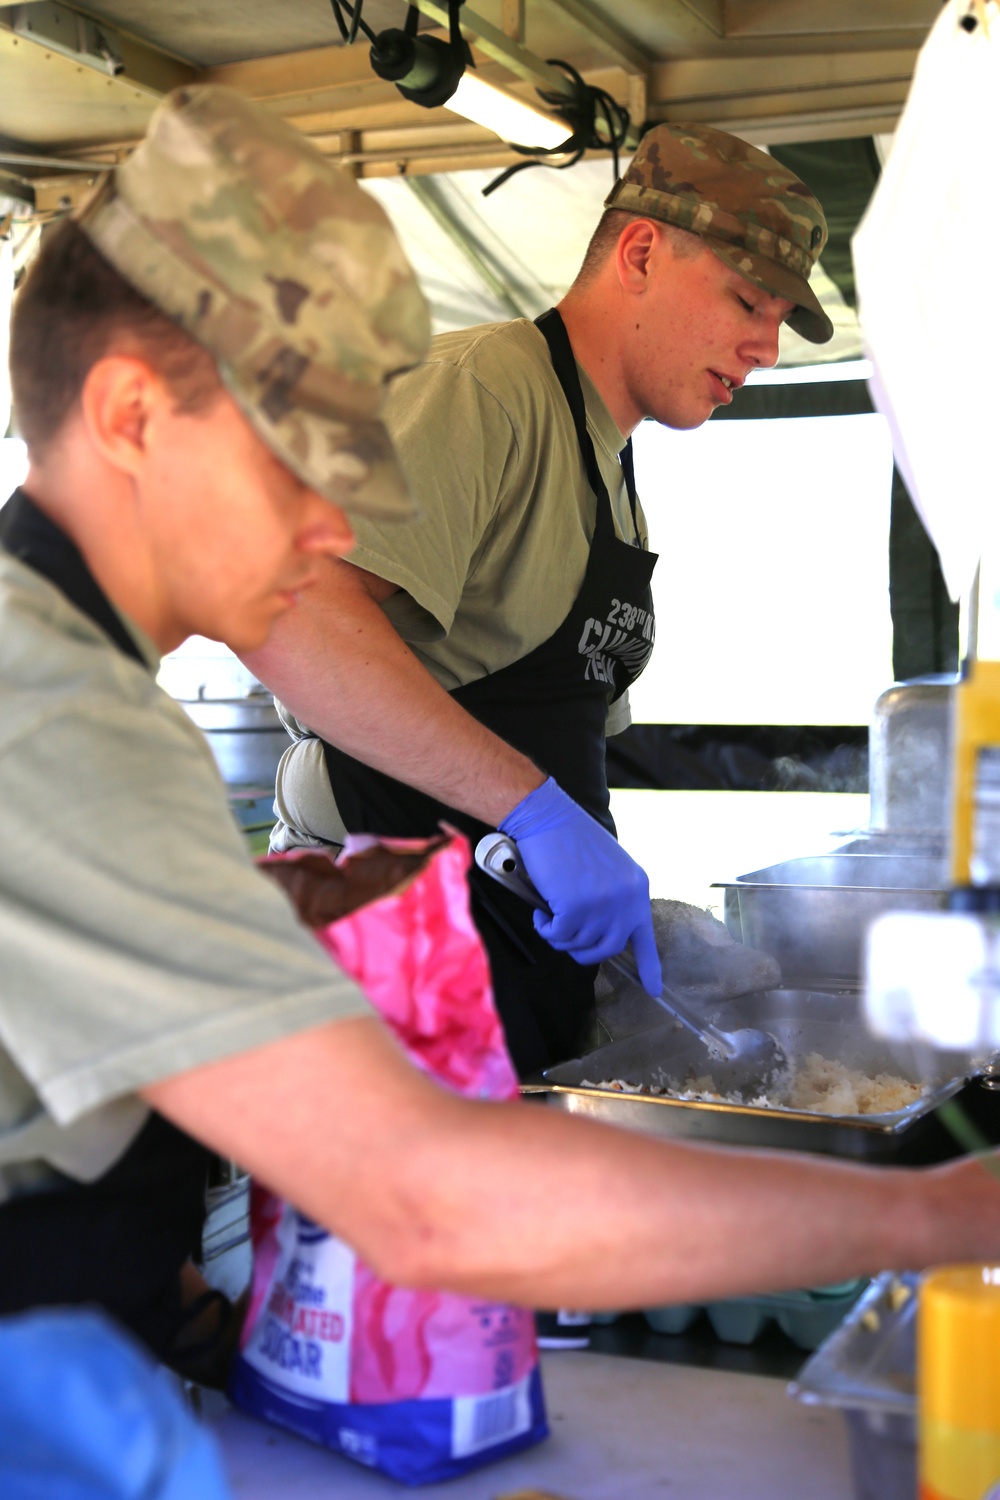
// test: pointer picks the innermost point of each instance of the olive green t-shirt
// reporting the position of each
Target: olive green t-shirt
(493, 562)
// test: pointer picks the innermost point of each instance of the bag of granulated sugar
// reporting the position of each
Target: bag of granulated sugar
(420, 1385)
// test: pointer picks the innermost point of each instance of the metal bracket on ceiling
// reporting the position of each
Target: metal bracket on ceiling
(90, 43)
(10, 158)
(67, 32)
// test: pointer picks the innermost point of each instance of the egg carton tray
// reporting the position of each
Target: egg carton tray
(807, 1317)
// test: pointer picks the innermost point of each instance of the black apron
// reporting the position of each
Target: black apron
(118, 1242)
(552, 705)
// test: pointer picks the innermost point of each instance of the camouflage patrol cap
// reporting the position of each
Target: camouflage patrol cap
(232, 224)
(755, 214)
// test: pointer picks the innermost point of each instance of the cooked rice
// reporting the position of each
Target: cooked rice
(822, 1087)
(818, 1086)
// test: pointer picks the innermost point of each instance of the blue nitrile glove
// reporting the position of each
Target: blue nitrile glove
(598, 895)
(86, 1414)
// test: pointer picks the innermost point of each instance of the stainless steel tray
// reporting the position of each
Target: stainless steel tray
(811, 914)
(803, 1021)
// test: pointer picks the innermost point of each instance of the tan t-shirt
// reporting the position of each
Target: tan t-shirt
(137, 939)
(494, 561)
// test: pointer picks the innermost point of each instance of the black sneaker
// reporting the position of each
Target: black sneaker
(563, 1329)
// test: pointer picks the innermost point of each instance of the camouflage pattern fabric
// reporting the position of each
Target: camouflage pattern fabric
(291, 276)
(755, 214)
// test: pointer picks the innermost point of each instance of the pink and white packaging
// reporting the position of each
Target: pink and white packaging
(422, 1385)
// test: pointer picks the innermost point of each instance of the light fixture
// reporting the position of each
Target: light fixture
(427, 70)
(509, 117)
(433, 72)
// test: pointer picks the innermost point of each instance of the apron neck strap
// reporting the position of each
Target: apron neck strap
(553, 330)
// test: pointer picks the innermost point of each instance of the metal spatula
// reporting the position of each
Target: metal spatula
(747, 1061)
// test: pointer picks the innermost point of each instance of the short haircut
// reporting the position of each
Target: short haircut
(609, 230)
(72, 310)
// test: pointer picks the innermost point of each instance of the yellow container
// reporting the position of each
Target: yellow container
(976, 765)
(958, 1384)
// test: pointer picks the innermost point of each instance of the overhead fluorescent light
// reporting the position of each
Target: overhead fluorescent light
(509, 117)
(432, 72)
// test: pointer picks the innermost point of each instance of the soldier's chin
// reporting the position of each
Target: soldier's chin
(252, 631)
(686, 420)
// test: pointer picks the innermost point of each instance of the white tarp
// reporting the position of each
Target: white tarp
(924, 258)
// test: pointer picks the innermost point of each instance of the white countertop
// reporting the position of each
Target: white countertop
(622, 1429)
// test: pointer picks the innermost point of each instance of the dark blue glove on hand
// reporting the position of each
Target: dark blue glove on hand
(597, 894)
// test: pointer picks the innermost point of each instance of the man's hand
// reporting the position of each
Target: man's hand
(598, 895)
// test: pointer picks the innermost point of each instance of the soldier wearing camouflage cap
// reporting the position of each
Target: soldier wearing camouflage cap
(198, 358)
(238, 229)
(159, 999)
(523, 589)
(751, 211)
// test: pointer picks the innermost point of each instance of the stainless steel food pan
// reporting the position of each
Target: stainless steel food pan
(803, 1021)
(910, 755)
(245, 735)
(811, 914)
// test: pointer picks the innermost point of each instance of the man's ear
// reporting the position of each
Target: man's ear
(637, 248)
(119, 397)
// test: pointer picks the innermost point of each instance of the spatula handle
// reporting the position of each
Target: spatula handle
(499, 857)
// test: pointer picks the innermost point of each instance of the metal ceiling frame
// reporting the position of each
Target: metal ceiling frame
(735, 20)
(148, 69)
(499, 47)
(798, 92)
(789, 18)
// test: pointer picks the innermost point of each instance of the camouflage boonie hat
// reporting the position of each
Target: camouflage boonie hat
(278, 264)
(755, 214)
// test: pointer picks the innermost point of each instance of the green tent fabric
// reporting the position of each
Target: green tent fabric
(843, 175)
(924, 619)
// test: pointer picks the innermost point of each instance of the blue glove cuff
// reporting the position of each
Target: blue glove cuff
(543, 808)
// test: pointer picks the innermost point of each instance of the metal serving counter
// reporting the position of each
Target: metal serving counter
(622, 1429)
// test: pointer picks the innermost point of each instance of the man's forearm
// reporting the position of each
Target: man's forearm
(339, 666)
(525, 1204)
(676, 1222)
(558, 1211)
